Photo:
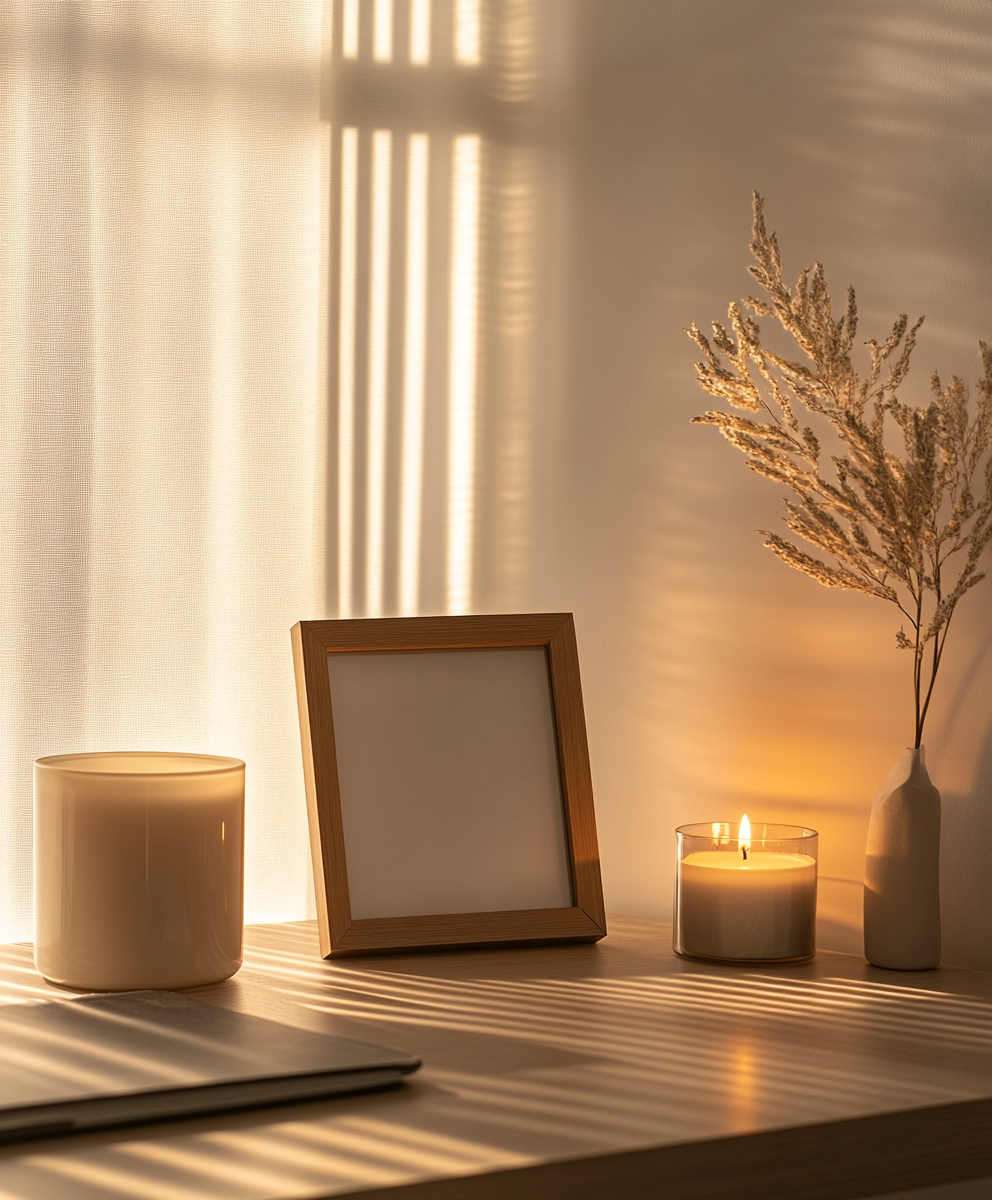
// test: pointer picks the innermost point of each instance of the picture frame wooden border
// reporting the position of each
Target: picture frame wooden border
(340, 935)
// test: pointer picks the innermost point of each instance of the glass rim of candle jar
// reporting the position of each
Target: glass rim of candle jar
(761, 832)
(762, 909)
(162, 763)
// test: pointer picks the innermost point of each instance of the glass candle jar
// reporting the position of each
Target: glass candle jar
(139, 866)
(745, 896)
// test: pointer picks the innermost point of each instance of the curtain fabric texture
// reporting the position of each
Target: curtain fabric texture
(163, 493)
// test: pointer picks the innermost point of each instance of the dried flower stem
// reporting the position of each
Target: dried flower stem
(889, 523)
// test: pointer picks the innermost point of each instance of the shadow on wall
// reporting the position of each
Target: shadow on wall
(438, 207)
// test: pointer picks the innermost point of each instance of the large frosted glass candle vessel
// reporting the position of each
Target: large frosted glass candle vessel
(138, 869)
(745, 894)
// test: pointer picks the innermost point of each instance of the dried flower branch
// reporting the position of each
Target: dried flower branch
(890, 524)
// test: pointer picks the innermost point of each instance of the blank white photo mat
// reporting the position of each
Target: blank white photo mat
(448, 774)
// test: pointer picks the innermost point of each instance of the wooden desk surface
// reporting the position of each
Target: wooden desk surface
(614, 1069)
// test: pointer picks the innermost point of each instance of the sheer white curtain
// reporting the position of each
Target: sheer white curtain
(163, 493)
(271, 296)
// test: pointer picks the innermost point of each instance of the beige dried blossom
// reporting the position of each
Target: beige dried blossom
(890, 523)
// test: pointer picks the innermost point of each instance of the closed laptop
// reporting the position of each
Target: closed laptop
(119, 1058)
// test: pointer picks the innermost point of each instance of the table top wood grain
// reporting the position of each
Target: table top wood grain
(598, 1070)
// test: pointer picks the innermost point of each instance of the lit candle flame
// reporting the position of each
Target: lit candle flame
(744, 836)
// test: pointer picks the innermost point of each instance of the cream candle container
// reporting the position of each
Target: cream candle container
(745, 894)
(139, 865)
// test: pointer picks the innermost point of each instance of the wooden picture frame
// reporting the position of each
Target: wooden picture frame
(314, 645)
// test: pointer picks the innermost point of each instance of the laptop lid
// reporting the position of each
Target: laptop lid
(123, 1057)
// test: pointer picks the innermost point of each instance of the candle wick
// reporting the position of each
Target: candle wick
(744, 852)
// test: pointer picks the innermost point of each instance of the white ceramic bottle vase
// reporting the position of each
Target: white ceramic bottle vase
(902, 863)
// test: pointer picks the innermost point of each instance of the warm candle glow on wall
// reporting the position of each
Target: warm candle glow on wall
(414, 361)
(346, 365)
(463, 336)
(378, 371)
(420, 32)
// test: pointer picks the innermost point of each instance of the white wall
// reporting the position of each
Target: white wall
(716, 680)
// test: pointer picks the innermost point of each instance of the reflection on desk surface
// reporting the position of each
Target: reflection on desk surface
(536, 1054)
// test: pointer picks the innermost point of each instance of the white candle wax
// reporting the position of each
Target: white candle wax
(138, 869)
(761, 907)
